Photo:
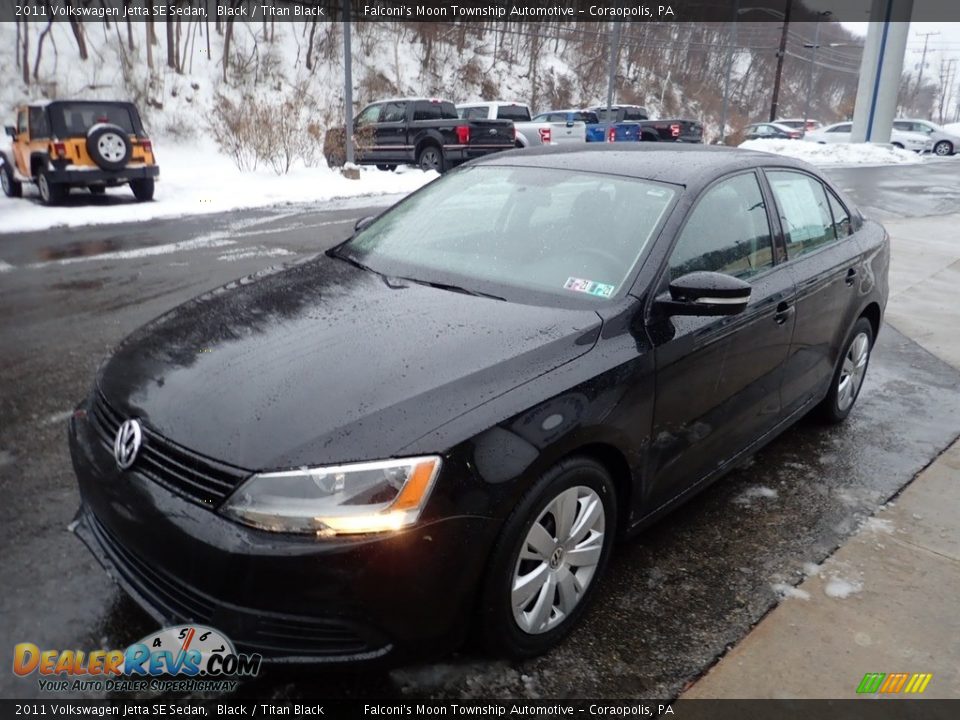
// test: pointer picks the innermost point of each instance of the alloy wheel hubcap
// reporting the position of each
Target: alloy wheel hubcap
(942, 149)
(558, 560)
(111, 147)
(4, 180)
(44, 188)
(853, 370)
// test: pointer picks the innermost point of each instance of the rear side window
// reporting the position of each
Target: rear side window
(841, 218)
(634, 114)
(727, 232)
(393, 112)
(606, 115)
(448, 111)
(804, 211)
(517, 113)
(22, 122)
(39, 126)
(845, 128)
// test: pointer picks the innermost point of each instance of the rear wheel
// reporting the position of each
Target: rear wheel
(389, 168)
(849, 375)
(431, 158)
(142, 189)
(51, 193)
(550, 554)
(11, 187)
(944, 147)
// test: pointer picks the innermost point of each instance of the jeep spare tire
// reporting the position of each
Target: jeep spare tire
(109, 146)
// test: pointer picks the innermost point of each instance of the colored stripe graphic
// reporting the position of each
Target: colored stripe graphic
(893, 683)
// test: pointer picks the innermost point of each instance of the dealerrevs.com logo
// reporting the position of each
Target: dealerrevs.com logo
(177, 658)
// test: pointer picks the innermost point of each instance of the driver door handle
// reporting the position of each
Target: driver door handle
(783, 313)
(851, 276)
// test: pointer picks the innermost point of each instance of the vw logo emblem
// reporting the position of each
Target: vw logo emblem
(127, 444)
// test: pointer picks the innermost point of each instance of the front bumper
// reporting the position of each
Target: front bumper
(291, 598)
(105, 177)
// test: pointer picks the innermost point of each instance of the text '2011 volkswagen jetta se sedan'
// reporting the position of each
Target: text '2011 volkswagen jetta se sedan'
(444, 423)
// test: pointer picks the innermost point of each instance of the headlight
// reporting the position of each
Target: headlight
(357, 498)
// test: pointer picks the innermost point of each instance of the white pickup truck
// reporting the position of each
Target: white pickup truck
(528, 133)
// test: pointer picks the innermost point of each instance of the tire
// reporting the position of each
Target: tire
(519, 630)
(897, 145)
(943, 148)
(431, 157)
(109, 146)
(11, 188)
(389, 168)
(51, 193)
(97, 189)
(142, 189)
(647, 137)
(848, 377)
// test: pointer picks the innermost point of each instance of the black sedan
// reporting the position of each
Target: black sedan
(771, 131)
(443, 424)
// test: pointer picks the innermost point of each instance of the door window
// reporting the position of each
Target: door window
(473, 113)
(369, 116)
(842, 128)
(39, 127)
(395, 112)
(804, 211)
(22, 122)
(727, 232)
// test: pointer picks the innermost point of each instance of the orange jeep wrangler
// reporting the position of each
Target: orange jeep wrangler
(62, 144)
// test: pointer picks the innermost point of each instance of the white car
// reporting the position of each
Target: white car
(944, 141)
(528, 132)
(840, 133)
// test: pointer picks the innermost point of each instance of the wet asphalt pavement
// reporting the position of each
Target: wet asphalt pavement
(673, 599)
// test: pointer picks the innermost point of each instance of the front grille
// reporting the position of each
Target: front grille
(269, 634)
(192, 476)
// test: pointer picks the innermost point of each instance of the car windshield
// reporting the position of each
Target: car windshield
(78, 118)
(518, 232)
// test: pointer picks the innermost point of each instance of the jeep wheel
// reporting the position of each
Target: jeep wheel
(109, 146)
(142, 189)
(11, 188)
(50, 192)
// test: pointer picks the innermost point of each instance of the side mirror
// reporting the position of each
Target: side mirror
(11, 131)
(363, 222)
(706, 293)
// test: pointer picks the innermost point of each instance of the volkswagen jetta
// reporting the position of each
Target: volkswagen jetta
(444, 422)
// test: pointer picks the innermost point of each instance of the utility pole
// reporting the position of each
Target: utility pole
(923, 62)
(612, 73)
(781, 53)
(731, 41)
(813, 61)
(347, 84)
(946, 81)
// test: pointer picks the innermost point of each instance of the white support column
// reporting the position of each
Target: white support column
(880, 71)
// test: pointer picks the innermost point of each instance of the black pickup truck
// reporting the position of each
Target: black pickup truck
(633, 122)
(427, 133)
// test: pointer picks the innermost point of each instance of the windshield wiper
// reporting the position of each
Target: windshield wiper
(333, 252)
(452, 288)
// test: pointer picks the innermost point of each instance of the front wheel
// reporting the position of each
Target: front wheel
(548, 559)
(142, 189)
(431, 158)
(849, 375)
(11, 187)
(943, 148)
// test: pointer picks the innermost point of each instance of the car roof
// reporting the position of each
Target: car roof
(490, 103)
(408, 99)
(689, 165)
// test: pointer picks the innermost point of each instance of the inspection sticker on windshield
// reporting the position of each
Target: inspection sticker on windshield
(589, 287)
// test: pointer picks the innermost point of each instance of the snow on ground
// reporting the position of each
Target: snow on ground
(838, 587)
(784, 590)
(836, 154)
(747, 497)
(196, 179)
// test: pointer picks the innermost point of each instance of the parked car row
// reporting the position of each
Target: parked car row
(435, 134)
(909, 134)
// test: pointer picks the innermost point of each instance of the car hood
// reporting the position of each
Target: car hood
(323, 362)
